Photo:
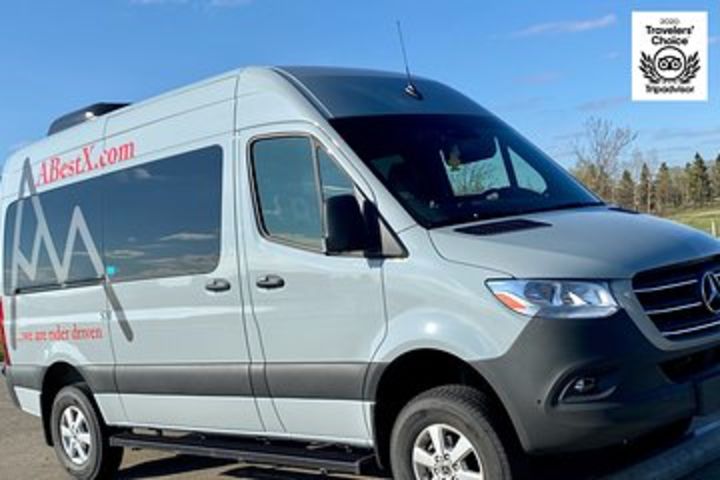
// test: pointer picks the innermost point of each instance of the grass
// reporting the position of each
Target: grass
(700, 218)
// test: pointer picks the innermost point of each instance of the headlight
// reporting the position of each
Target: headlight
(555, 298)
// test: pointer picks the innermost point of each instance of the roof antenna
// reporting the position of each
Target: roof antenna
(410, 88)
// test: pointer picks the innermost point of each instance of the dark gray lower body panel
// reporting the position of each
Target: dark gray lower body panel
(634, 394)
(329, 381)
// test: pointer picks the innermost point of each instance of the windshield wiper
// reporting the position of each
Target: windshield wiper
(482, 216)
(566, 206)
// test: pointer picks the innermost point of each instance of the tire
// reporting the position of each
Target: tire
(667, 436)
(80, 436)
(453, 413)
(676, 431)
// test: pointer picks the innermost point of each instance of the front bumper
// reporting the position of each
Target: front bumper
(639, 388)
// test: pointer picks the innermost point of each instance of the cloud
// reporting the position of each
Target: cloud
(124, 254)
(573, 26)
(538, 79)
(207, 3)
(229, 3)
(188, 237)
(602, 104)
(521, 105)
(571, 136)
(157, 2)
(561, 153)
(142, 174)
(612, 55)
(674, 133)
(715, 39)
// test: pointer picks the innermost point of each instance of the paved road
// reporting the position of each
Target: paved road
(23, 455)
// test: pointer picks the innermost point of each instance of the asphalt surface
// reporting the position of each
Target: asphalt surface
(24, 455)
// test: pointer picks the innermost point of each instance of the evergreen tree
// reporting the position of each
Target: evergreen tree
(664, 195)
(688, 191)
(645, 189)
(625, 193)
(699, 187)
(715, 178)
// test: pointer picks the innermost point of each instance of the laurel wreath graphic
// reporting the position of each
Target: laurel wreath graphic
(647, 66)
(692, 68)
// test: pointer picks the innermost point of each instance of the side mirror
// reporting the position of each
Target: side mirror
(346, 227)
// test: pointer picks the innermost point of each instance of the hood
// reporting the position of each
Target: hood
(597, 243)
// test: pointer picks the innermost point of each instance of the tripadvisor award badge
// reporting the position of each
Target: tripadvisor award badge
(669, 56)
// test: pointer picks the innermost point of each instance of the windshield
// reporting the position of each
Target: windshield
(448, 169)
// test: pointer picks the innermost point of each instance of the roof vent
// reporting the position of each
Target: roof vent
(83, 115)
(617, 208)
(503, 226)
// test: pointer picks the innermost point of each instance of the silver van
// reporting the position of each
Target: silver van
(333, 268)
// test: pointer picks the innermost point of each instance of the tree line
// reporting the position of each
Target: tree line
(643, 183)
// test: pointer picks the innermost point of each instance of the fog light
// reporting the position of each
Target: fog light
(589, 386)
(584, 385)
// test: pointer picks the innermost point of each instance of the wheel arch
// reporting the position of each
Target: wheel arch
(56, 377)
(393, 384)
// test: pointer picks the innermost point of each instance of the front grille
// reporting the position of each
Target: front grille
(672, 298)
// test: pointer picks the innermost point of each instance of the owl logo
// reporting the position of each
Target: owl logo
(669, 65)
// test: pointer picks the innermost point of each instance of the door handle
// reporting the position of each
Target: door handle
(270, 282)
(217, 285)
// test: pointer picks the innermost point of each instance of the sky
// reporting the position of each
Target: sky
(544, 66)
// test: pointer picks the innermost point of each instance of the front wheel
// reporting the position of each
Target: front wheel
(80, 436)
(450, 433)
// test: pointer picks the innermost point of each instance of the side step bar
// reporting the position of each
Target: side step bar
(330, 458)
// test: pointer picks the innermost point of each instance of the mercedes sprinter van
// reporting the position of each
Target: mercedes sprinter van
(349, 268)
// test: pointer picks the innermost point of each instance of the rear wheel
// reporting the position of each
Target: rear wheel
(80, 436)
(451, 433)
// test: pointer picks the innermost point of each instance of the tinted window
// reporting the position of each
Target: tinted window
(55, 265)
(158, 219)
(286, 188)
(163, 218)
(448, 169)
(334, 181)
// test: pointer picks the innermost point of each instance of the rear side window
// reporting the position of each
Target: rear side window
(163, 218)
(158, 219)
(60, 216)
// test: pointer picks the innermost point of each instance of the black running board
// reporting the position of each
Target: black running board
(329, 458)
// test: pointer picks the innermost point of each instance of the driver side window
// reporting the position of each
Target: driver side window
(294, 177)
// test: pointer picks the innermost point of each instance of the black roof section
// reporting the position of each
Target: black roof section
(348, 92)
